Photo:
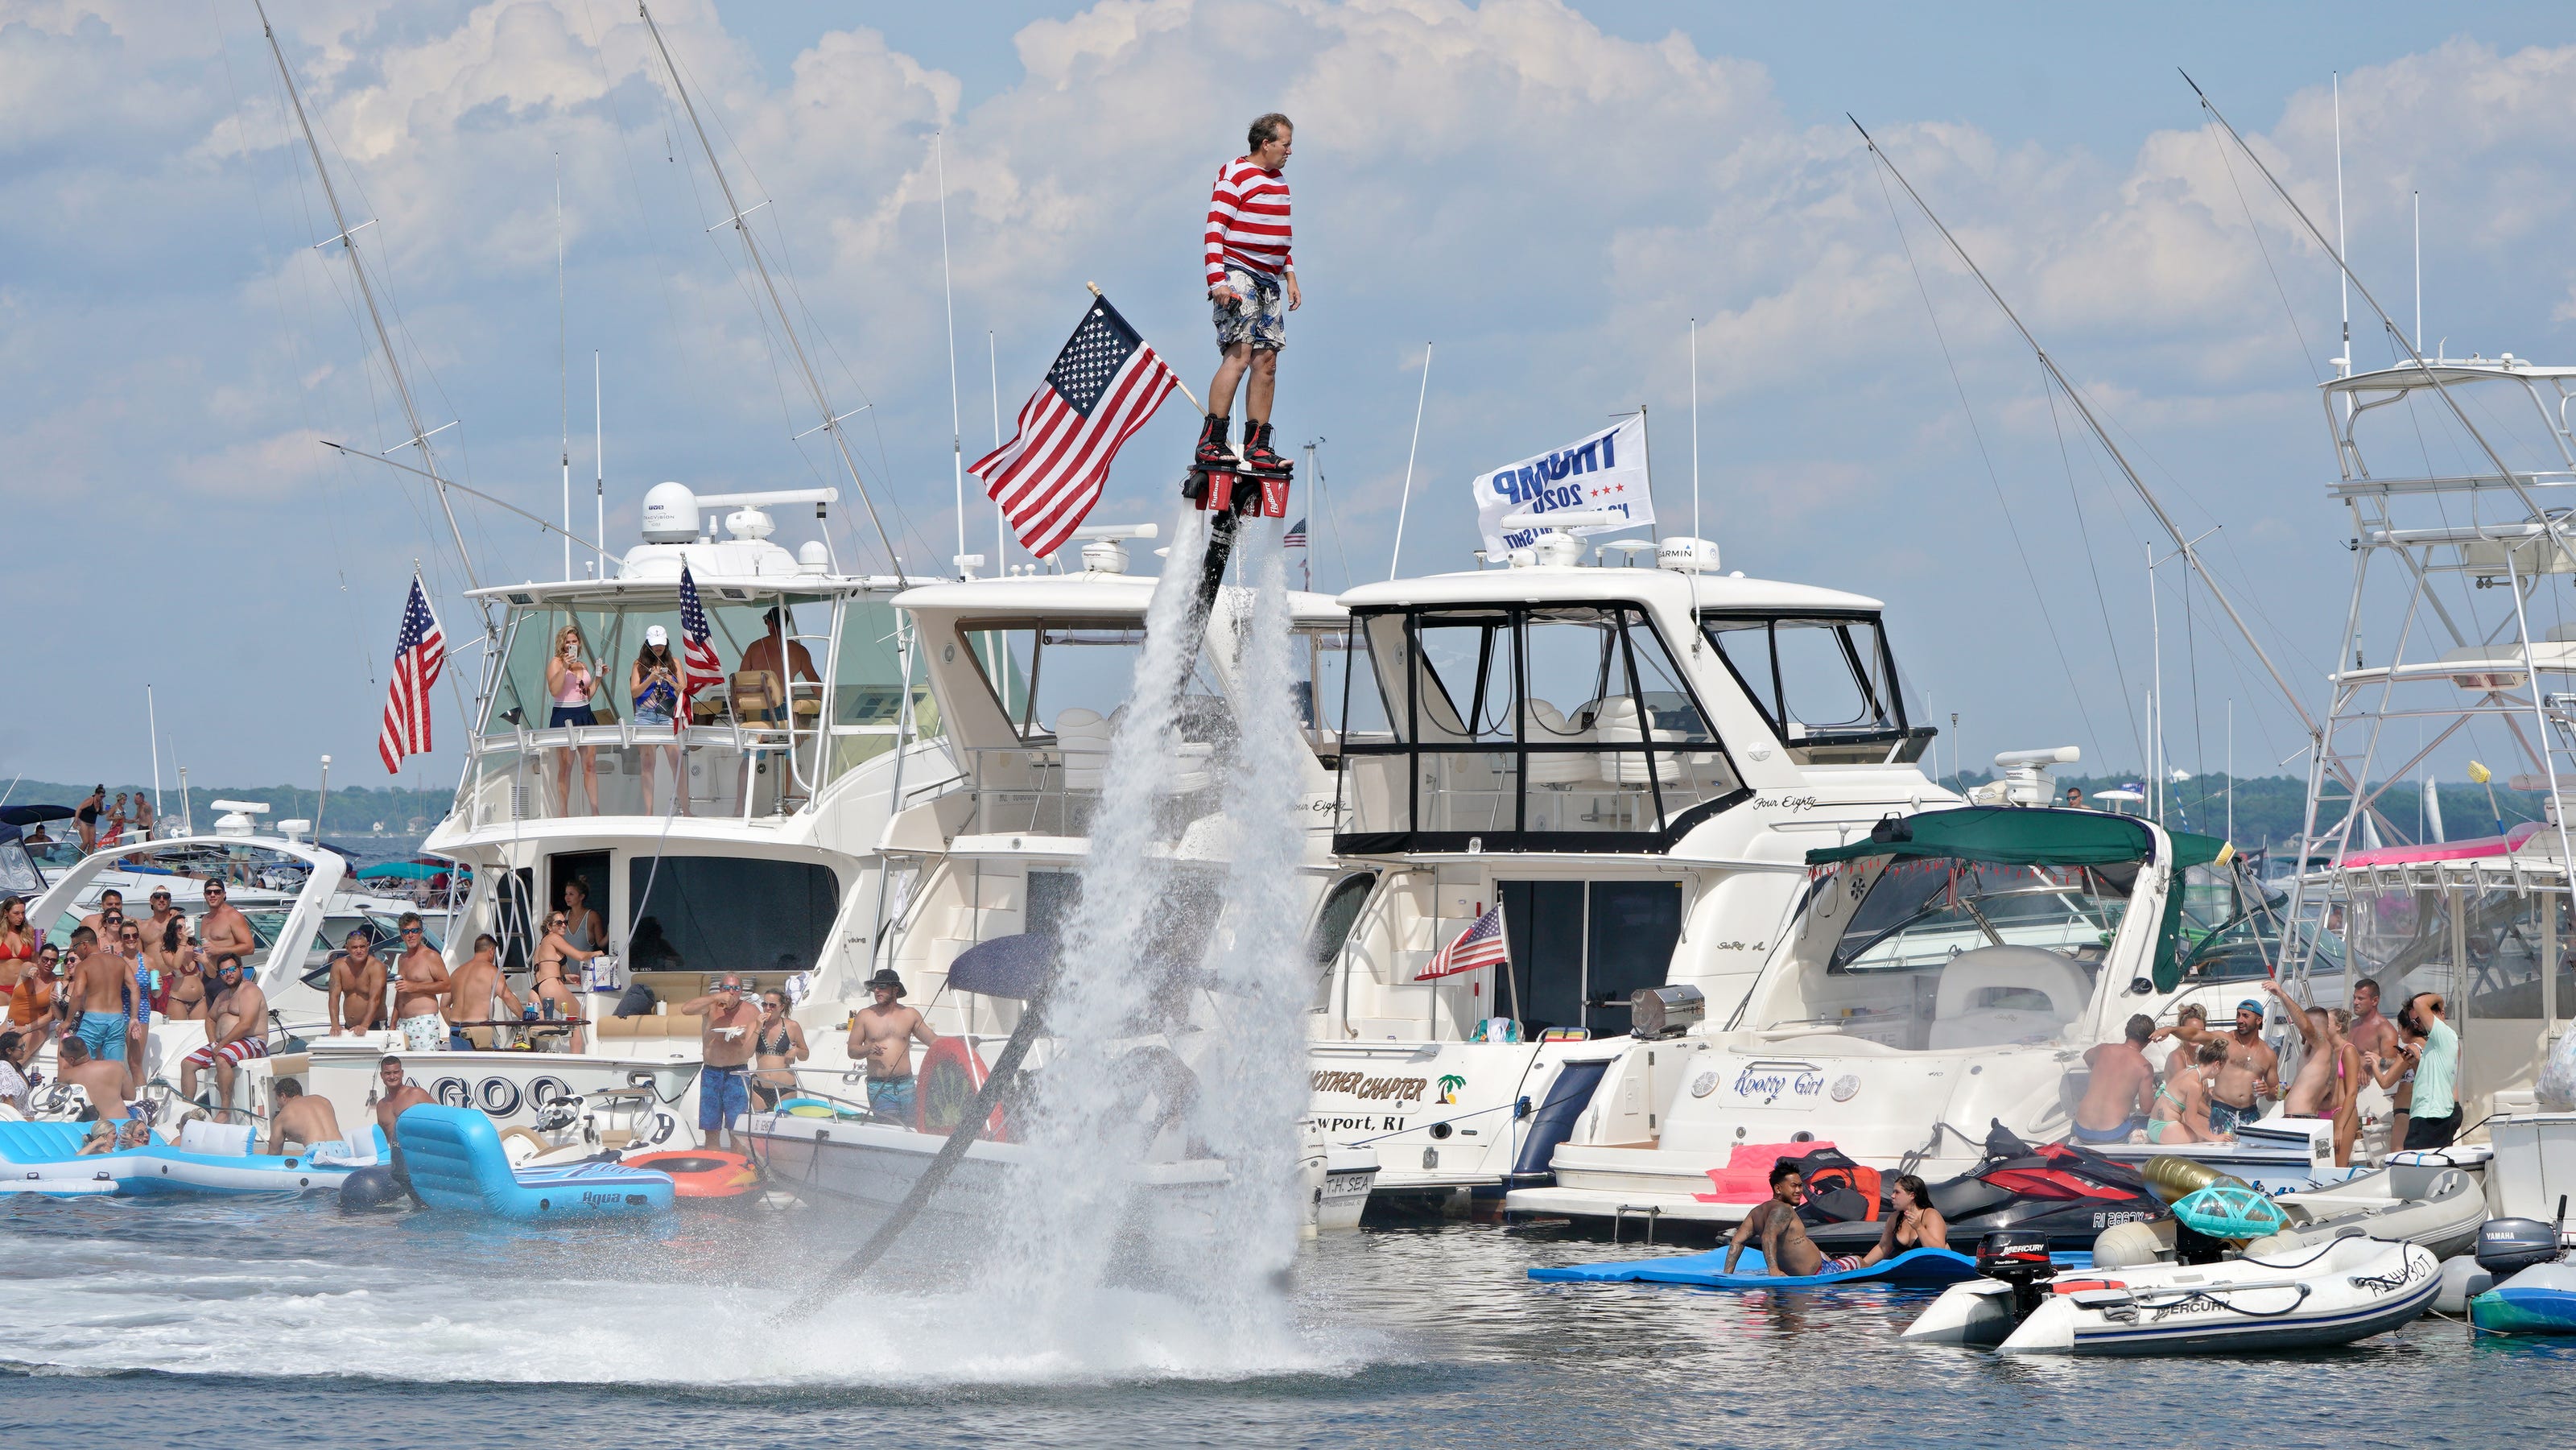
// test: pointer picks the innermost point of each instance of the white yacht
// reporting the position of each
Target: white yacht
(763, 862)
(1630, 763)
(1030, 675)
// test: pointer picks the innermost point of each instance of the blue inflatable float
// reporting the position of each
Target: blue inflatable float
(45, 1157)
(1927, 1267)
(2539, 1300)
(456, 1161)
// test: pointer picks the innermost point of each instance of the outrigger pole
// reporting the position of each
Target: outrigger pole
(2182, 543)
(347, 238)
(831, 423)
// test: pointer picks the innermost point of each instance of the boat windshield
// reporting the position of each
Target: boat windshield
(1825, 683)
(1942, 953)
(1042, 670)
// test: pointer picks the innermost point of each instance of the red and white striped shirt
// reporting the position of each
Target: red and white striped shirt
(1247, 222)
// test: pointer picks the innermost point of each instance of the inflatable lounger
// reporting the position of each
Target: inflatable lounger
(2537, 1300)
(210, 1158)
(1705, 1270)
(456, 1161)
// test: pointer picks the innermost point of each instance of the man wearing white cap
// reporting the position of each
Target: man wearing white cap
(653, 685)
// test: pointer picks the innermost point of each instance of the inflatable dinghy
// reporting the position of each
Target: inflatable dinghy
(209, 1158)
(456, 1161)
(1706, 1271)
(2345, 1290)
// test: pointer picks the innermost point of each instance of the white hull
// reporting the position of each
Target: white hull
(2303, 1299)
(878, 1165)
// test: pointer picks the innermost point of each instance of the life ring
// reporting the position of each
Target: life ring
(497, 1096)
(945, 1086)
(702, 1172)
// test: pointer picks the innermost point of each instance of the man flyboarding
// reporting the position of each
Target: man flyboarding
(1252, 285)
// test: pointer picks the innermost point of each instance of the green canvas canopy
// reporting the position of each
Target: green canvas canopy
(2042, 836)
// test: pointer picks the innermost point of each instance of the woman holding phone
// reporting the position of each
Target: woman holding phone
(653, 684)
(570, 681)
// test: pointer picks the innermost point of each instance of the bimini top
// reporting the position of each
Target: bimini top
(1546, 584)
(2022, 836)
(2044, 836)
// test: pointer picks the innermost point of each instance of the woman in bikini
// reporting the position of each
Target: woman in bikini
(550, 986)
(2182, 1103)
(1913, 1224)
(570, 682)
(776, 1051)
(17, 942)
(168, 953)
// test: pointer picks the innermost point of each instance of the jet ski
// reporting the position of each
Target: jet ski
(2058, 1192)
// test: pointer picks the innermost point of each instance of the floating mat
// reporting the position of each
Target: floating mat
(456, 1161)
(1914, 1266)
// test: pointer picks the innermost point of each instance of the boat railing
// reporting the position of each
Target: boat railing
(742, 772)
(1052, 788)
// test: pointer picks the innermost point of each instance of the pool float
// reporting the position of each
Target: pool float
(456, 1161)
(208, 1158)
(703, 1173)
(1706, 1271)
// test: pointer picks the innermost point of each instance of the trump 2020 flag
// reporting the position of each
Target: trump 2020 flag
(420, 653)
(1604, 473)
(1104, 385)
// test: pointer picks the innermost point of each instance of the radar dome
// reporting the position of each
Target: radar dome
(670, 514)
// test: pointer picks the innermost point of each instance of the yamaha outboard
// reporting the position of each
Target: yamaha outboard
(2508, 1246)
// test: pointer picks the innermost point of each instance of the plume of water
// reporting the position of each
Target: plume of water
(1173, 1026)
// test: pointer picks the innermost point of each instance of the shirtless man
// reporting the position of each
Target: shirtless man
(236, 1032)
(2373, 1034)
(159, 921)
(2251, 1074)
(395, 1092)
(357, 986)
(731, 1031)
(883, 1033)
(2121, 1094)
(223, 928)
(111, 904)
(103, 1081)
(1786, 1249)
(307, 1122)
(2351, 1075)
(765, 653)
(422, 980)
(97, 988)
(476, 991)
(2314, 1090)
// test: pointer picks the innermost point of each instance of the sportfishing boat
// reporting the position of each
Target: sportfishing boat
(740, 837)
(1610, 776)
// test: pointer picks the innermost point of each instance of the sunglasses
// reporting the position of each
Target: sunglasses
(411, 931)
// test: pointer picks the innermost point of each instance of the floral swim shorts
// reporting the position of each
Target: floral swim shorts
(1261, 318)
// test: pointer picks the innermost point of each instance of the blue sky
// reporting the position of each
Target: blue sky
(1546, 192)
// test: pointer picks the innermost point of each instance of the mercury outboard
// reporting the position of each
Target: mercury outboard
(2057, 1192)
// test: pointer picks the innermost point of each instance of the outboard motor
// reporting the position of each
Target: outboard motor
(2508, 1246)
(2021, 1260)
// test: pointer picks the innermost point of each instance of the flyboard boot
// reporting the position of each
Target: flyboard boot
(1233, 488)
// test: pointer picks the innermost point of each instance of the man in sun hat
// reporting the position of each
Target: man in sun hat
(883, 1033)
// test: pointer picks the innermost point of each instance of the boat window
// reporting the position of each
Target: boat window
(1054, 667)
(18, 875)
(1826, 684)
(727, 913)
(1340, 912)
(612, 635)
(1561, 726)
(1581, 949)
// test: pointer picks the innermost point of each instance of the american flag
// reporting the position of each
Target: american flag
(1296, 536)
(1103, 387)
(1480, 945)
(698, 666)
(420, 652)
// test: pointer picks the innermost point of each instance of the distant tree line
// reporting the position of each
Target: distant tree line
(352, 810)
(2270, 809)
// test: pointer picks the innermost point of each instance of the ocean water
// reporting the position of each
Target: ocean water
(284, 1324)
